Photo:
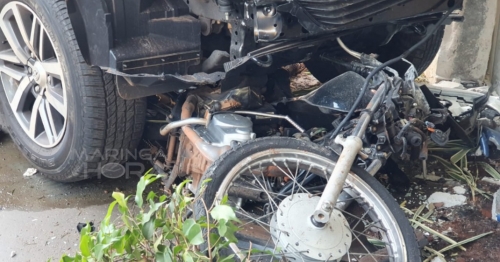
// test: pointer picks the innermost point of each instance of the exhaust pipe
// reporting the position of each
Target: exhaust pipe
(209, 151)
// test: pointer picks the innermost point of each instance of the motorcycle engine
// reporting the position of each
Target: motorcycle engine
(225, 129)
(221, 133)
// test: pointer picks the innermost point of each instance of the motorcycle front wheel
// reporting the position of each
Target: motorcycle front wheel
(274, 184)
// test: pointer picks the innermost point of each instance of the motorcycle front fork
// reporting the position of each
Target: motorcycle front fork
(351, 147)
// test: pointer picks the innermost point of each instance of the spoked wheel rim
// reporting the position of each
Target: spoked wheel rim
(252, 189)
(32, 76)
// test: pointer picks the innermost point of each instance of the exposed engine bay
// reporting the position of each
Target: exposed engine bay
(411, 116)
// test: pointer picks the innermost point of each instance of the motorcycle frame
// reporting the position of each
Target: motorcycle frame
(351, 147)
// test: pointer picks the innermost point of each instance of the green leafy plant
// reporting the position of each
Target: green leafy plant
(158, 228)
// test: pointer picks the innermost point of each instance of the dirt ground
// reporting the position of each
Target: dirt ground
(38, 217)
(459, 222)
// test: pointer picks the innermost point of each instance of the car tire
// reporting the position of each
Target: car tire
(90, 125)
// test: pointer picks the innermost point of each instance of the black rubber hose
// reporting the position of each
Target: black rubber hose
(382, 66)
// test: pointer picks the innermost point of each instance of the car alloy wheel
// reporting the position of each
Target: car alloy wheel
(32, 76)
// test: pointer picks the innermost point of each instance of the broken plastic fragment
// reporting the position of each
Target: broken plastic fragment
(30, 172)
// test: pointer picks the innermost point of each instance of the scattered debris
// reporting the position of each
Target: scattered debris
(458, 244)
(13, 254)
(30, 172)
(80, 226)
(303, 82)
(491, 180)
(438, 204)
(418, 221)
(450, 84)
(495, 209)
(431, 177)
(457, 168)
(438, 259)
(460, 190)
(480, 89)
(448, 200)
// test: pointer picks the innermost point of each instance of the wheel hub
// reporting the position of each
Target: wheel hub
(294, 233)
(38, 74)
(32, 75)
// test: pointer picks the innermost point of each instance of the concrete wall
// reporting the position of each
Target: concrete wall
(466, 49)
(494, 65)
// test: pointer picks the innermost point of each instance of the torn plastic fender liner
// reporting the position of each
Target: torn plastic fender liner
(142, 85)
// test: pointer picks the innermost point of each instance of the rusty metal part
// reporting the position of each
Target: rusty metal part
(273, 171)
(189, 106)
(172, 142)
(190, 161)
(164, 99)
(194, 154)
(248, 193)
(378, 256)
(208, 151)
(165, 130)
(424, 152)
(229, 104)
(424, 168)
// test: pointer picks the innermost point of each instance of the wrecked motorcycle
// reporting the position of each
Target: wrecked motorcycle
(305, 192)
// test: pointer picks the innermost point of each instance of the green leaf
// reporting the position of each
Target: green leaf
(162, 198)
(107, 218)
(136, 255)
(490, 170)
(227, 259)
(178, 249)
(129, 241)
(151, 195)
(169, 236)
(223, 212)
(120, 198)
(98, 251)
(66, 258)
(141, 186)
(231, 230)
(148, 229)
(119, 244)
(85, 245)
(222, 227)
(224, 200)
(162, 257)
(192, 231)
(159, 223)
(187, 257)
(178, 189)
(214, 238)
(459, 155)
